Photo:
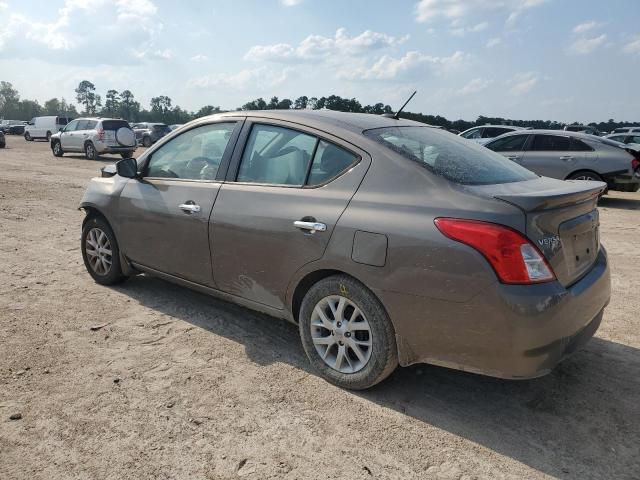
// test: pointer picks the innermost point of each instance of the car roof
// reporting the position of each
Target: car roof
(328, 119)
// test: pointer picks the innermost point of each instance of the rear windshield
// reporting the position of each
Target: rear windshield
(449, 156)
(114, 124)
(161, 128)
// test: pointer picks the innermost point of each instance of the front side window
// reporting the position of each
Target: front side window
(471, 134)
(512, 143)
(551, 143)
(634, 139)
(193, 155)
(71, 126)
(492, 132)
(449, 157)
(276, 155)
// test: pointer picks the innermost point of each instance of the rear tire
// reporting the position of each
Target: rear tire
(100, 252)
(146, 142)
(27, 137)
(340, 330)
(48, 137)
(585, 175)
(57, 149)
(90, 151)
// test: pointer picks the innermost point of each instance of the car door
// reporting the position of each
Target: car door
(284, 194)
(163, 217)
(550, 155)
(511, 146)
(66, 136)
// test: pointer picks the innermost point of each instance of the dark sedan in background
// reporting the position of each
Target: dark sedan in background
(572, 156)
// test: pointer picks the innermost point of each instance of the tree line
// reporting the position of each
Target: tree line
(161, 109)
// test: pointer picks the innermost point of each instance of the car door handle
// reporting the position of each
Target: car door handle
(310, 226)
(189, 208)
(512, 157)
(566, 157)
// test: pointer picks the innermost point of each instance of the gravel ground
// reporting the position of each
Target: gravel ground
(151, 380)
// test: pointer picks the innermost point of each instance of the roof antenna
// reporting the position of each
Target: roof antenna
(397, 114)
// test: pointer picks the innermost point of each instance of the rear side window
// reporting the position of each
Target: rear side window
(513, 143)
(162, 128)
(449, 157)
(551, 143)
(329, 162)
(579, 146)
(276, 155)
(492, 132)
(114, 124)
(635, 139)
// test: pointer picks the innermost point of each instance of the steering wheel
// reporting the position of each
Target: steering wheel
(199, 164)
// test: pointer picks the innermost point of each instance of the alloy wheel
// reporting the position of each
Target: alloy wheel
(341, 334)
(98, 249)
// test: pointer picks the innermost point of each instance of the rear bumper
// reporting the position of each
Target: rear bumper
(507, 331)
(103, 148)
(624, 182)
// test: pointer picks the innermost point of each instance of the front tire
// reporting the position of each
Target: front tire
(146, 142)
(27, 137)
(100, 252)
(347, 334)
(57, 149)
(127, 154)
(90, 151)
(585, 175)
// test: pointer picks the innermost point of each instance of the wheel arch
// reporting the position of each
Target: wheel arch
(583, 170)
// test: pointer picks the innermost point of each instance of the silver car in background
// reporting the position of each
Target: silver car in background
(572, 156)
(486, 133)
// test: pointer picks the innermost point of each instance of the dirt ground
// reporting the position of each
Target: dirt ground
(151, 380)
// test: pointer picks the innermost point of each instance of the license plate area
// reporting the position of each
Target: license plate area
(581, 242)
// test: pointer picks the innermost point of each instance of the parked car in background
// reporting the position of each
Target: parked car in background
(630, 138)
(3, 142)
(485, 133)
(149, 133)
(582, 129)
(572, 156)
(12, 127)
(175, 126)
(478, 264)
(633, 129)
(95, 136)
(44, 127)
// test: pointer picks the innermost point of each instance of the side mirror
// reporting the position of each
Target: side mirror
(127, 168)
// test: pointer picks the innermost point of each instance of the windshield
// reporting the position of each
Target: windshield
(449, 156)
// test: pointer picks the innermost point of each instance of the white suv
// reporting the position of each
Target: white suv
(95, 136)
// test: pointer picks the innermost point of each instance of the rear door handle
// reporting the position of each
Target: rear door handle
(189, 208)
(566, 157)
(310, 226)
(512, 157)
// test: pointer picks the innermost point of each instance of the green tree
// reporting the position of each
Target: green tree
(257, 104)
(112, 103)
(160, 106)
(207, 110)
(86, 96)
(301, 103)
(9, 100)
(52, 107)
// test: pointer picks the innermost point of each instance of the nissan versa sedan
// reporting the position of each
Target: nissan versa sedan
(572, 156)
(385, 240)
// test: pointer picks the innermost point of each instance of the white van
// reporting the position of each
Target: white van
(44, 127)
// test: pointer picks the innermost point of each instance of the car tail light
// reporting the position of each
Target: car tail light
(513, 257)
(101, 134)
(635, 163)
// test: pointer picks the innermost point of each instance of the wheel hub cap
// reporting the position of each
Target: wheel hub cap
(341, 334)
(98, 249)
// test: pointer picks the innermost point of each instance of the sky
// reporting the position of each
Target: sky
(565, 60)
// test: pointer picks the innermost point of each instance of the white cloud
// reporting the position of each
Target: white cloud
(492, 42)
(4, 5)
(585, 27)
(290, 3)
(633, 46)
(523, 83)
(461, 31)
(475, 86)
(585, 45)
(260, 79)
(318, 46)
(199, 58)
(429, 10)
(387, 67)
(77, 30)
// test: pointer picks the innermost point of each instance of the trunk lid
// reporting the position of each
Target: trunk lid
(561, 219)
